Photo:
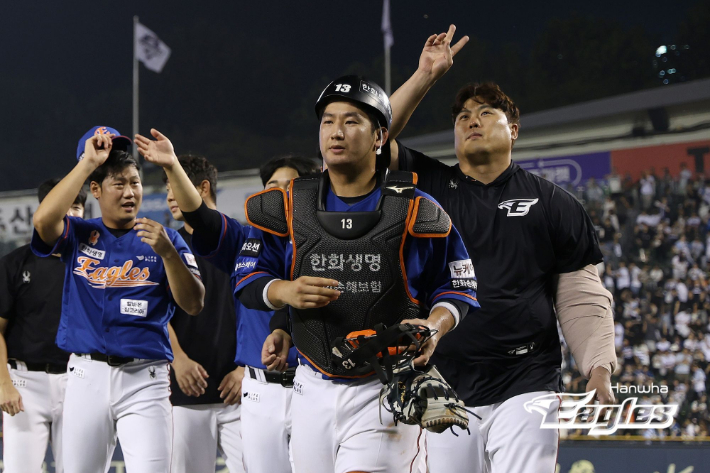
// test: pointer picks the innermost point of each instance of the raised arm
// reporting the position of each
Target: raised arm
(437, 57)
(160, 152)
(49, 217)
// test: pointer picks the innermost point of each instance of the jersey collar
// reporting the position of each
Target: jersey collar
(502, 179)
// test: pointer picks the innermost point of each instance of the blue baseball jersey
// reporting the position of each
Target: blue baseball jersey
(116, 295)
(252, 325)
(437, 268)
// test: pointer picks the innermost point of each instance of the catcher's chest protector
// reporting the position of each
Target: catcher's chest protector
(361, 250)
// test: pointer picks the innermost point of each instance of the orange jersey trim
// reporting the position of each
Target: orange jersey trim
(248, 276)
(289, 219)
(401, 248)
(457, 293)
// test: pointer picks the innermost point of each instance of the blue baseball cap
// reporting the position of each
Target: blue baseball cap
(120, 142)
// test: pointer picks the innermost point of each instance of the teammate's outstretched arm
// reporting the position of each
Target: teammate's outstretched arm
(49, 217)
(161, 152)
(187, 289)
(437, 57)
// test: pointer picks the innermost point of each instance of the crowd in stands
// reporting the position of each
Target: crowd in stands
(654, 233)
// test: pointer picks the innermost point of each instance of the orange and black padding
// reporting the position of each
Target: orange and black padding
(267, 210)
(429, 220)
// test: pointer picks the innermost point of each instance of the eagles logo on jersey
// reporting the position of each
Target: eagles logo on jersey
(517, 207)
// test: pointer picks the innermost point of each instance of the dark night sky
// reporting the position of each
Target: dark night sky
(66, 66)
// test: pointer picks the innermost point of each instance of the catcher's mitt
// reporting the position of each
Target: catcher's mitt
(424, 398)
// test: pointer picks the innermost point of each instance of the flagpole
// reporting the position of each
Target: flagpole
(388, 40)
(135, 89)
(388, 72)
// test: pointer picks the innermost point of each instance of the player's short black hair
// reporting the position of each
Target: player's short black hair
(303, 166)
(198, 169)
(490, 93)
(116, 162)
(49, 184)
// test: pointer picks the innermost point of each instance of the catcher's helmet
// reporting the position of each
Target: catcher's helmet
(364, 92)
(360, 90)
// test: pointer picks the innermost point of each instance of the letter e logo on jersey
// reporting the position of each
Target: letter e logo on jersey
(517, 207)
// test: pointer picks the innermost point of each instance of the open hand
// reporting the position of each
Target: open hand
(159, 151)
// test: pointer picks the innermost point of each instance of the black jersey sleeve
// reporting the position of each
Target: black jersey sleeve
(429, 170)
(574, 239)
(208, 222)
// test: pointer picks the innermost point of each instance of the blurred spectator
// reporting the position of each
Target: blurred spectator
(655, 237)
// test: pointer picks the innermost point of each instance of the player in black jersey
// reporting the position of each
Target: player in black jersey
(534, 250)
(205, 381)
(33, 370)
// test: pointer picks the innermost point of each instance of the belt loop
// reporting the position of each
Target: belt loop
(20, 365)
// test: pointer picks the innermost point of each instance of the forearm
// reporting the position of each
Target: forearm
(207, 225)
(442, 320)
(4, 373)
(406, 99)
(49, 217)
(186, 195)
(187, 290)
(584, 310)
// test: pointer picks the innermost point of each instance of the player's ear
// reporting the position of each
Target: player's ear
(95, 188)
(204, 189)
(514, 131)
(381, 135)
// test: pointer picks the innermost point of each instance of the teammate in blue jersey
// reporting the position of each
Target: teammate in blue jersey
(124, 276)
(218, 239)
(347, 251)
(206, 383)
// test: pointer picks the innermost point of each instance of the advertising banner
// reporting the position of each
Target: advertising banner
(563, 170)
(696, 156)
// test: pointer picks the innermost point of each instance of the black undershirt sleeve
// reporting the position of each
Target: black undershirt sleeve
(280, 320)
(461, 306)
(208, 222)
(252, 295)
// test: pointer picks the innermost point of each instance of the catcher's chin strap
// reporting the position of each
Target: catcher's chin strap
(384, 350)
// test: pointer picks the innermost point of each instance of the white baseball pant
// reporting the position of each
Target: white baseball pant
(26, 434)
(337, 429)
(199, 431)
(130, 401)
(506, 439)
(266, 423)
